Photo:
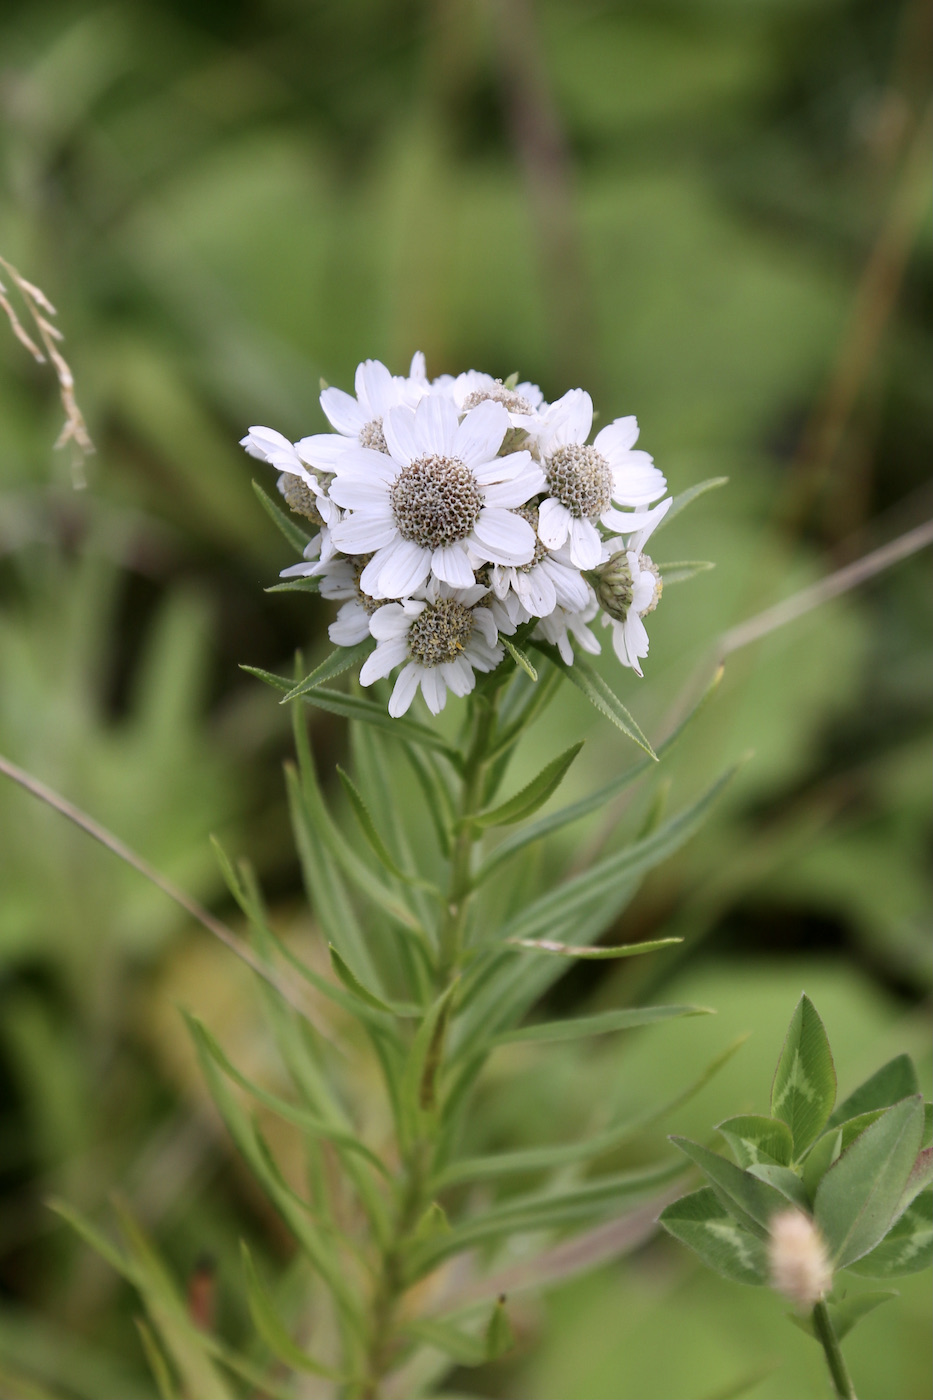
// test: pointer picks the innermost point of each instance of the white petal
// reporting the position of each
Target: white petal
(404, 691)
(397, 571)
(451, 563)
(433, 689)
(585, 544)
(485, 624)
(502, 537)
(626, 522)
(365, 532)
(356, 493)
(479, 436)
(398, 429)
(617, 437)
(365, 464)
(554, 521)
(322, 449)
(517, 491)
(458, 675)
(384, 659)
(569, 419)
(569, 586)
(436, 427)
(390, 622)
(350, 626)
(537, 592)
(343, 411)
(375, 389)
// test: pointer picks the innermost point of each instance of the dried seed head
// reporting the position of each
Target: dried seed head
(372, 436)
(515, 403)
(440, 632)
(800, 1267)
(435, 501)
(299, 497)
(581, 479)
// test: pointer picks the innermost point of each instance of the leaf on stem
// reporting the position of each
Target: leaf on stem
(751, 1201)
(754, 1139)
(804, 1087)
(418, 1089)
(518, 656)
(687, 497)
(533, 795)
(683, 570)
(368, 827)
(269, 1326)
(598, 692)
(846, 1313)
(340, 660)
(353, 984)
(701, 1222)
(596, 953)
(907, 1248)
(892, 1082)
(578, 1027)
(296, 537)
(858, 1198)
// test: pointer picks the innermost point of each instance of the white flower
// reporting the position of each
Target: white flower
(439, 503)
(548, 581)
(440, 638)
(629, 588)
(340, 580)
(473, 387)
(562, 625)
(584, 481)
(302, 490)
(359, 420)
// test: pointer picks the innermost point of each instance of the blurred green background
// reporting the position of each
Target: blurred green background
(713, 214)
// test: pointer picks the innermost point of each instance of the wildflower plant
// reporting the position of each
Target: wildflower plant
(817, 1189)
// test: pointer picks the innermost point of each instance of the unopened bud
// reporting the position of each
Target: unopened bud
(614, 587)
(800, 1267)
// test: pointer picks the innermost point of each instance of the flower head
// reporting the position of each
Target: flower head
(800, 1267)
(628, 587)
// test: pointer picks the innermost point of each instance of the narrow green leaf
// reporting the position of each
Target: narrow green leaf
(702, 1223)
(518, 656)
(687, 497)
(461, 1348)
(858, 1198)
(598, 692)
(95, 1238)
(368, 828)
(295, 585)
(353, 984)
(334, 665)
(844, 1314)
(269, 1326)
(296, 537)
(157, 1363)
(369, 712)
(751, 1201)
(436, 794)
(533, 795)
(418, 1081)
(499, 1335)
(892, 1082)
(754, 1139)
(804, 1087)
(786, 1181)
(270, 678)
(683, 570)
(908, 1246)
(595, 802)
(316, 1127)
(580, 1026)
(595, 954)
(820, 1158)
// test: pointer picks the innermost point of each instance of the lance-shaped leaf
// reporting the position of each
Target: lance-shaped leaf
(804, 1087)
(445, 1337)
(368, 828)
(295, 585)
(436, 794)
(892, 1082)
(296, 537)
(353, 984)
(269, 1325)
(751, 1201)
(683, 570)
(845, 1314)
(685, 498)
(755, 1139)
(598, 692)
(157, 1363)
(533, 795)
(857, 1200)
(701, 1222)
(334, 665)
(908, 1246)
(419, 1081)
(786, 1181)
(518, 656)
(499, 1336)
(606, 1022)
(596, 953)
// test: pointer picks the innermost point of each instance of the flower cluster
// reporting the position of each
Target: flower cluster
(448, 512)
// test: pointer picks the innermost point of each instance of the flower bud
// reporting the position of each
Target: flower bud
(800, 1267)
(614, 586)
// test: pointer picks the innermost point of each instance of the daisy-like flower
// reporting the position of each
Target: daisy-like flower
(358, 421)
(562, 625)
(439, 503)
(299, 485)
(440, 638)
(628, 586)
(340, 581)
(586, 483)
(549, 580)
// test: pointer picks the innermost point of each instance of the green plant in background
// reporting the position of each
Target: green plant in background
(816, 1189)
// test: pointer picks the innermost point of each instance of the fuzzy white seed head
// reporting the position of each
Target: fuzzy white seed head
(800, 1267)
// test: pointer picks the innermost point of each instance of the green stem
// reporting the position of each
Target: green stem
(460, 884)
(826, 1335)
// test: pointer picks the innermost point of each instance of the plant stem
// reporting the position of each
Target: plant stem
(460, 883)
(826, 1335)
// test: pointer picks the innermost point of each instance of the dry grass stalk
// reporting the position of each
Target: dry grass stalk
(41, 310)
